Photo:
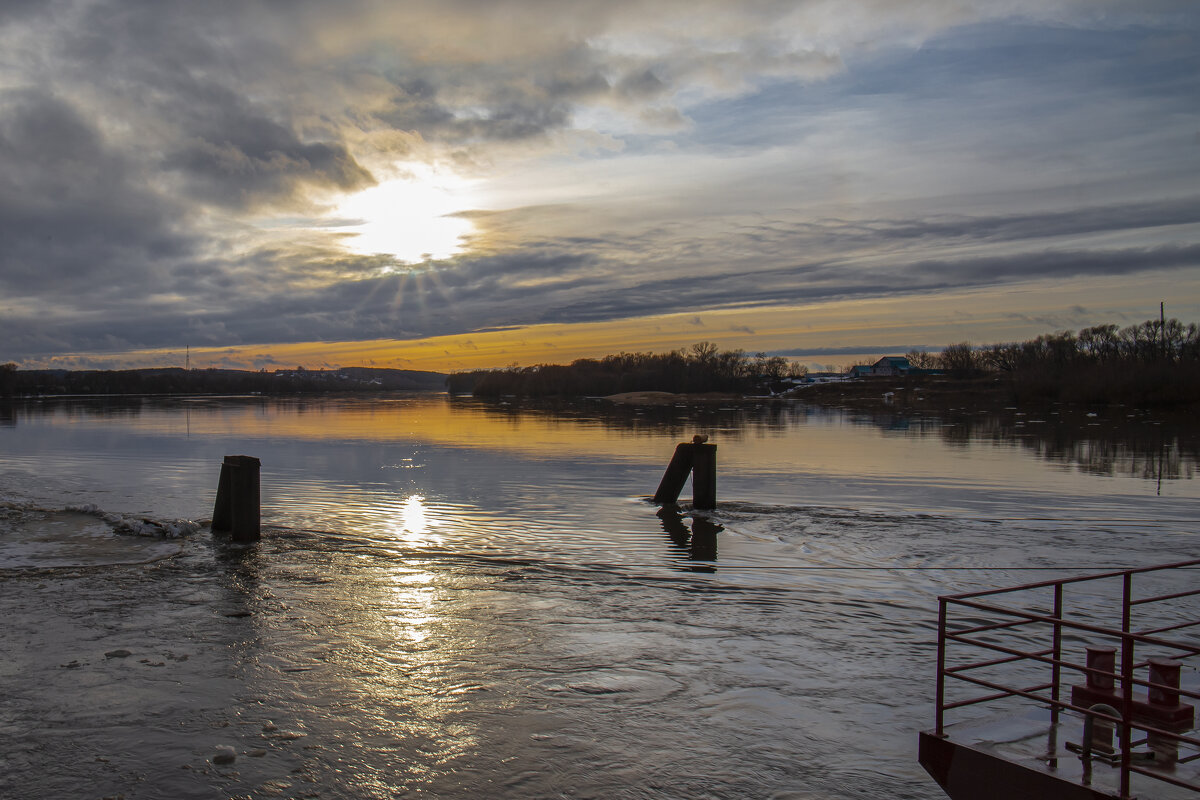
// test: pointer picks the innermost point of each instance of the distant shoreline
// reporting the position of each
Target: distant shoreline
(217, 395)
(947, 395)
(670, 398)
(175, 381)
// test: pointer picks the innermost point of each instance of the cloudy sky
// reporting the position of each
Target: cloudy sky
(443, 184)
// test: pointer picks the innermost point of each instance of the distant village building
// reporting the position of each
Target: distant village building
(891, 366)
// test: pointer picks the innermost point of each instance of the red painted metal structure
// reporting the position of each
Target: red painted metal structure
(1032, 647)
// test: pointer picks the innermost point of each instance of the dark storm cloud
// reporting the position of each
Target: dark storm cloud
(74, 217)
(237, 157)
(526, 100)
(1018, 227)
(862, 235)
(1056, 265)
(208, 99)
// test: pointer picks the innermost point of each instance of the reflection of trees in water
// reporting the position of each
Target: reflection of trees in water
(1151, 454)
(1119, 443)
(81, 408)
(127, 407)
(733, 420)
(1113, 458)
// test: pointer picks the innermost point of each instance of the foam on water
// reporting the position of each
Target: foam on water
(76, 536)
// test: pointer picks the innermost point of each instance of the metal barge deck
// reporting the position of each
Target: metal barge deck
(1088, 689)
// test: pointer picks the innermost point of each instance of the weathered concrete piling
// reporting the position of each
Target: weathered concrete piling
(238, 510)
(700, 460)
(704, 476)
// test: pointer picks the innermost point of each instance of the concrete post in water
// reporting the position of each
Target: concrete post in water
(222, 518)
(700, 459)
(237, 509)
(704, 476)
(676, 475)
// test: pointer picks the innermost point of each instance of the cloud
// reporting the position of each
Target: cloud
(638, 159)
(75, 216)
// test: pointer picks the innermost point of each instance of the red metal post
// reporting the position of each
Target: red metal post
(1055, 670)
(941, 665)
(1127, 645)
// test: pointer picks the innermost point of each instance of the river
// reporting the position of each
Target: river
(461, 599)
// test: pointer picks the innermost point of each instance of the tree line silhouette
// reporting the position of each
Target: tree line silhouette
(174, 380)
(1153, 363)
(701, 368)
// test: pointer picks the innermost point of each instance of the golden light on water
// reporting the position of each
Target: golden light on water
(413, 522)
(412, 218)
(413, 519)
(412, 604)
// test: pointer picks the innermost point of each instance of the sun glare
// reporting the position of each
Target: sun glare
(410, 218)
(412, 516)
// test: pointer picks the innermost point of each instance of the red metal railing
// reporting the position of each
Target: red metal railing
(998, 625)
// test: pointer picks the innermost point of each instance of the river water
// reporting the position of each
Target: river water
(458, 599)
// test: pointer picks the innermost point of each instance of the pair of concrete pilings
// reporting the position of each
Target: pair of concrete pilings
(700, 460)
(237, 510)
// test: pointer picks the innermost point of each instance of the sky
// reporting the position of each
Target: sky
(456, 184)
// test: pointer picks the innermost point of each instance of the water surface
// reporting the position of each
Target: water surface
(456, 599)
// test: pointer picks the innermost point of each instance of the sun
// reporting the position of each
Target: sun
(411, 218)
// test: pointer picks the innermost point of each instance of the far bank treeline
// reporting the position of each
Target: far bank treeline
(703, 367)
(1154, 363)
(175, 380)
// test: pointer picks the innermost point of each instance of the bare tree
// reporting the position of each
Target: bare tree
(921, 360)
(7, 378)
(959, 359)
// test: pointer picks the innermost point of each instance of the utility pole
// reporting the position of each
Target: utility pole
(187, 359)
(1162, 326)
